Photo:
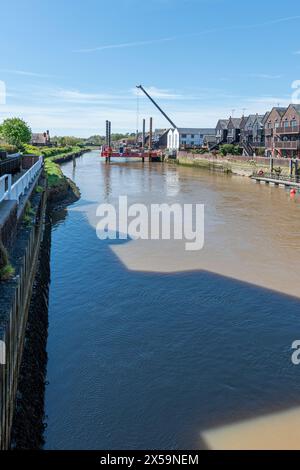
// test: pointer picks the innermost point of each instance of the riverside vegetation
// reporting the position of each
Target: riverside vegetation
(61, 190)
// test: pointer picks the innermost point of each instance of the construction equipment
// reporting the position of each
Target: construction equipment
(140, 87)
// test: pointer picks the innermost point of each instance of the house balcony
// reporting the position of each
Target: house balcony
(287, 144)
(257, 143)
(268, 132)
(288, 130)
(247, 133)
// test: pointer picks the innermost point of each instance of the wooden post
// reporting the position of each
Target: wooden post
(144, 133)
(271, 164)
(291, 167)
(150, 137)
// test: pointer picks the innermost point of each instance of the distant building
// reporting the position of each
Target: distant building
(187, 137)
(282, 130)
(42, 138)
(209, 141)
(258, 130)
(234, 129)
(252, 131)
(161, 138)
(222, 130)
(157, 134)
(271, 124)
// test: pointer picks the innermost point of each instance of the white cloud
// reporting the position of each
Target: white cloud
(126, 44)
(238, 27)
(264, 76)
(25, 73)
(77, 112)
(268, 101)
(155, 92)
(76, 96)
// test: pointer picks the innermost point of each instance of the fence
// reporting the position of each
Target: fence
(14, 191)
(10, 165)
(12, 331)
(278, 177)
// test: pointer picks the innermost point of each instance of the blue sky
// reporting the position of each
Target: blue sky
(69, 65)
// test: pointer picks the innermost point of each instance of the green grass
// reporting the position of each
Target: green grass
(28, 214)
(52, 152)
(6, 269)
(53, 172)
(6, 272)
(39, 189)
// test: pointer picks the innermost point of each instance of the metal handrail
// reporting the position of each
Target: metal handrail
(5, 187)
(9, 191)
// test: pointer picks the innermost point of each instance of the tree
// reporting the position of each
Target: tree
(15, 131)
(66, 141)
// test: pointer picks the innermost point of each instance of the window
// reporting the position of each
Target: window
(276, 125)
(192, 136)
(286, 124)
(183, 136)
(294, 123)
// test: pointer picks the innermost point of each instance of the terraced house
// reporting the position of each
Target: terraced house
(234, 130)
(282, 129)
(287, 138)
(252, 131)
(222, 130)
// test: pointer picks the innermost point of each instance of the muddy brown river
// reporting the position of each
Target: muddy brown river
(151, 346)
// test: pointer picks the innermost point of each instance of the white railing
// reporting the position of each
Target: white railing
(5, 187)
(14, 191)
(13, 155)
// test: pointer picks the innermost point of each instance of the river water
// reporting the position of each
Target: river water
(151, 346)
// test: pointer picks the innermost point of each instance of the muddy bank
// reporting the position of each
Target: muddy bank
(63, 195)
(235, 165)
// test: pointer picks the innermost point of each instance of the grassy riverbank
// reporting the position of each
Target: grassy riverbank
(62, 190)
(53, 153)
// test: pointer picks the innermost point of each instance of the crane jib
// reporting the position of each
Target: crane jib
(157, 106)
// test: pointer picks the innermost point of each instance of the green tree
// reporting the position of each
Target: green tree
(15, 131)
(67, 140)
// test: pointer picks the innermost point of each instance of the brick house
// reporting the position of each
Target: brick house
(272, 122)
(41, 138)
(287, 133)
